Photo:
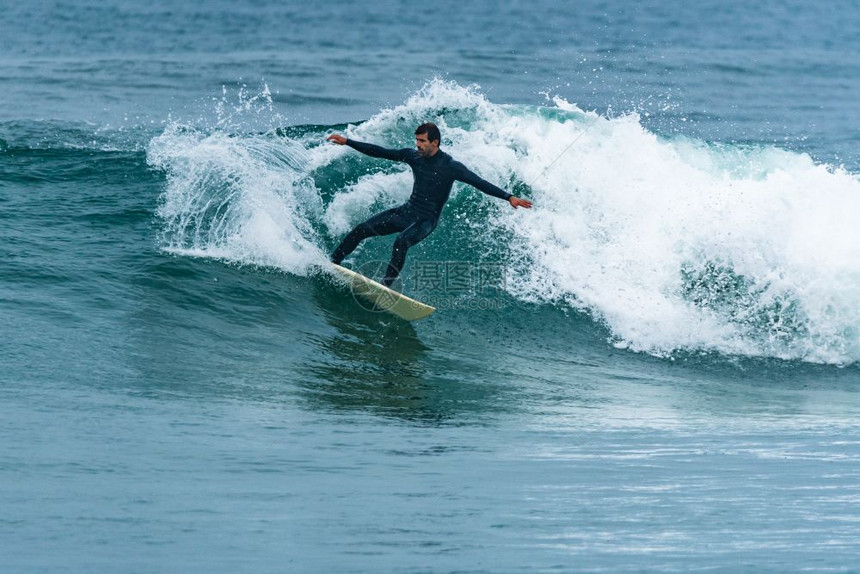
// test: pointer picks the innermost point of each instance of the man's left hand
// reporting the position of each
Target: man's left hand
(517, 202)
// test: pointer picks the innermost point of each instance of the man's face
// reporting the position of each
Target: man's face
(426, 148)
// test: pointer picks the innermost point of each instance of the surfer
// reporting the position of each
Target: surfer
(435, 173)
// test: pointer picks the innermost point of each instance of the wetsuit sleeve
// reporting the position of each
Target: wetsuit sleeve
(462, 173)
(377, 151)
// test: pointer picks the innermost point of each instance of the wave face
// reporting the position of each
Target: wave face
(676, 245)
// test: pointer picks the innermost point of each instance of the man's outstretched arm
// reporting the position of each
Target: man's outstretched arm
(473, 179)
(368, 149)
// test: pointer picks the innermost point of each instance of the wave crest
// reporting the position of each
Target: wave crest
(673, 243)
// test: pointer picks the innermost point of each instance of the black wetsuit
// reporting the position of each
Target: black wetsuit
(417, 218)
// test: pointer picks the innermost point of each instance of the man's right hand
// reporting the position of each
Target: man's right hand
(337, 138)
(517, 202)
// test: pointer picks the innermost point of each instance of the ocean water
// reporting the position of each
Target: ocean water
(655, 369)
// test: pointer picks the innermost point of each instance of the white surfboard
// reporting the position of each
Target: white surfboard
(381, 298)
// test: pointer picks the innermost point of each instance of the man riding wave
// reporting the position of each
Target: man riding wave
(435, 173)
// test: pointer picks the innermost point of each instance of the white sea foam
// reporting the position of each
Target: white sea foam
(675, 244)
(240, 199)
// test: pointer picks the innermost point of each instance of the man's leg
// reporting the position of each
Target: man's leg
(407, 238)
(385, 223)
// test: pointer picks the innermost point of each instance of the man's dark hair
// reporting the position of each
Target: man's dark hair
(432, 131)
